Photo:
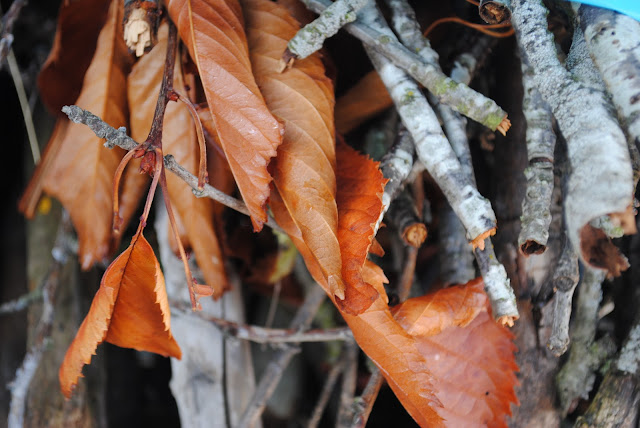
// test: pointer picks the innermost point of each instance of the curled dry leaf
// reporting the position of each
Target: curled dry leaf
(213, 32)
(470, 356)
(395, 352)
(364, 100)
(61, 76)
(179, 138)
(129, 310)
(360, 188)
(303, 172)
(80, 173)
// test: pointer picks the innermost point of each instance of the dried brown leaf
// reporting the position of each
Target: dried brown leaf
(213, 31)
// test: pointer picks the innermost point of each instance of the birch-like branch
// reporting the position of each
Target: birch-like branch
(118, 137)
(565, 279)
(310, 38)
(432, 147)
(601, 179)
(541, 142)
(497, 284)
(575, 379)
(613, 40)
(396, 166)
(459, 96)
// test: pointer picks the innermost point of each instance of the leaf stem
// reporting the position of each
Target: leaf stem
(203, 176)
(195, 305)
(117, 220)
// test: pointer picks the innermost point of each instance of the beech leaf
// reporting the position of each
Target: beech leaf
(179, 138)
(470, 356)
(364, 100)
(303, 173)
(360, 188)
(79, 23)
(129, 310)
(81, 173)
(213, 32)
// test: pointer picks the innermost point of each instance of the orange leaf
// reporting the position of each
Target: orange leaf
(81, 174)
(303, 172)
(364, 100)
(395, 352)
(179, 138)
(129, 310)
(470, 356)
(213, 32)
(360, 188)
(79, 23)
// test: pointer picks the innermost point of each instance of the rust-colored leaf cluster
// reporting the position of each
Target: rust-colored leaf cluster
(273, 135)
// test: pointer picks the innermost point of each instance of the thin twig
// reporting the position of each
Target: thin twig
(310, 38)
(267, 335)
(349, 384)
(6, 38)
(274, 370)
(20, 385)
(432, 147)
(118, 137)
(325, 394)
(459, 96)
(565, 280)
(24, 106)
(364, 404)
(21, 303)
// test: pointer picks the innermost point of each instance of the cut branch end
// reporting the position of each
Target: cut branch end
(504, 126)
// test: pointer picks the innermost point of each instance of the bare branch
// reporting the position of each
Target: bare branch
(595, 188)
(310, 38)
(541, 142)
(275, 368)
(364, 404)
(613, 40)
(565, 279)
(21, 303)
(257, 334)
(575, 379)
(325, 394)
(118, 137)
(6, 38)
(459, 96)
(20, 385)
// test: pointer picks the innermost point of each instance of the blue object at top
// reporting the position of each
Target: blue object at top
(628, 7)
